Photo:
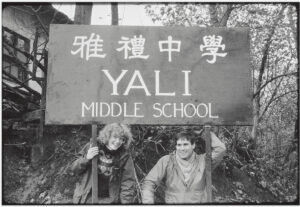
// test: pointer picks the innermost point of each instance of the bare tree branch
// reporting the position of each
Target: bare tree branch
(270, 80)
(280, 96)
(274, 98)
(40, 21)
(38, 9)
(267, 46)
(269, 103)
(54, 15)
(18, 8)
(256, 100)
(34, 67)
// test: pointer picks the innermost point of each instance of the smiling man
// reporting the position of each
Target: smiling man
(182, 172)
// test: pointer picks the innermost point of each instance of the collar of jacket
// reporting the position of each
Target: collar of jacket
(175, 166)
(122, 154)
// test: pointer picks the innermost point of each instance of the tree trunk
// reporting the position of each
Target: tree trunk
(83, 13)
(256, 98)
(256, 109)
(114, 14)
(224, 20)
(295, 34)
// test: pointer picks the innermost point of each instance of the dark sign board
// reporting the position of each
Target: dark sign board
(148, 75)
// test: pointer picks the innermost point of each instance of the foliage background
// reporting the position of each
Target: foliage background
(262, 161)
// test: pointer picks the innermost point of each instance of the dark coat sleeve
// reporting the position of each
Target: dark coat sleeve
(127, 182)
(81, 163)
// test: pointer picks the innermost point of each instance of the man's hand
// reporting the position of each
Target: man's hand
(92, 152)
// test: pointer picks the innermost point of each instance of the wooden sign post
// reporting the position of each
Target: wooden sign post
(208, 170)
(83, 13)
(94, 166)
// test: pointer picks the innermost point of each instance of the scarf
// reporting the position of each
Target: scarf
(186, 166)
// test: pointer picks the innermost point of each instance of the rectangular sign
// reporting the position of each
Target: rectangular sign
(148, 75)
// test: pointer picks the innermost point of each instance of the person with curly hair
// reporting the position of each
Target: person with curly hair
(116, 183)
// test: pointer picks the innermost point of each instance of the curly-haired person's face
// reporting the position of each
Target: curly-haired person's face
(115, 141)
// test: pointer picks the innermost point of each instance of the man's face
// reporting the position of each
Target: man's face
(184, 148)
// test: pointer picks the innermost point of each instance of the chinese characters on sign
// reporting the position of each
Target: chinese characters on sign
(137, 47)
(169, 47)
(134, 47)
(212, 44)
(91, 47)
(148, 75)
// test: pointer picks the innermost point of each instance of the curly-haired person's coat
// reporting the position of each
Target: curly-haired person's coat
(121, 182)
